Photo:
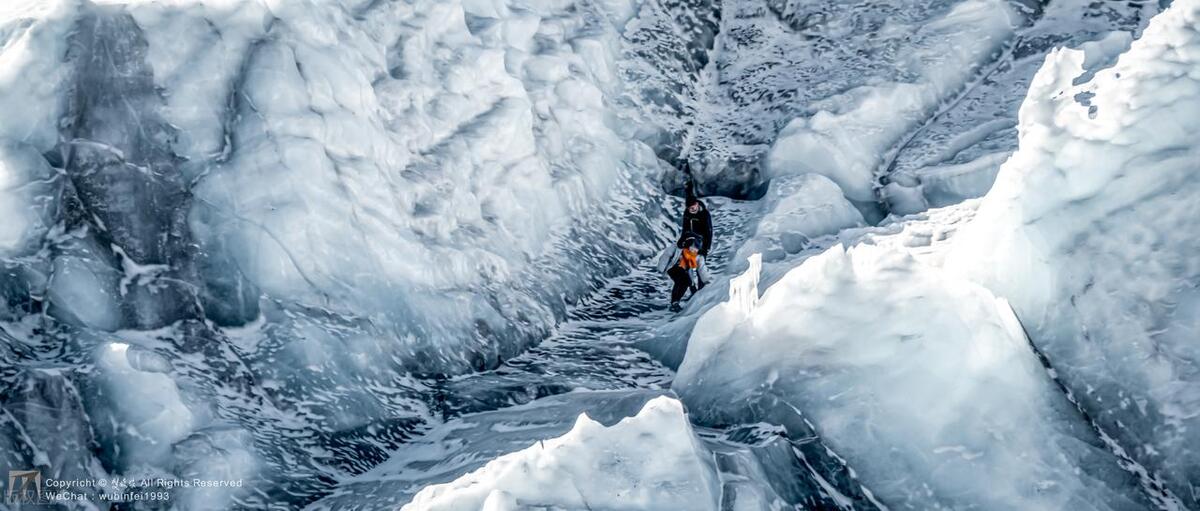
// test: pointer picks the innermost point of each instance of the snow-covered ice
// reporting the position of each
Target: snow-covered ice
(649, 461)
(846, 140)
(310, 245)
(885, 355)
(1090, 232)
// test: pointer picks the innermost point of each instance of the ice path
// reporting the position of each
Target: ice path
(591, 364)
(594, 348)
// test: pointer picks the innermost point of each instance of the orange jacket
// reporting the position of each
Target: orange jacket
(688, 260)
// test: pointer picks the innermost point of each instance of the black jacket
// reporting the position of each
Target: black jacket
(699, 224)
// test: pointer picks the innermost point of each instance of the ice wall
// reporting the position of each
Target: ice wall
(936, 402)
(392, 161)
(379, 160)
(955, 155)
(1086, 233)
(773, 62)
(260, 218)
(849, 134)
(1091, 234)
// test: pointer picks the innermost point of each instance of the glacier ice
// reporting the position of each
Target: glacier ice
(796, 209)
(776, 63)
(941, 381)
(298, 210)
(1090, 233)
(28, 186)
(624, 459)
(257, 239)
(656, 446)
(1086, 233)
(847, 140)
(955, 155)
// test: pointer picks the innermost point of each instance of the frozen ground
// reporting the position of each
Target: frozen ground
(367, 254)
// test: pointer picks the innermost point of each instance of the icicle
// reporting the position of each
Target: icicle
(743, 289)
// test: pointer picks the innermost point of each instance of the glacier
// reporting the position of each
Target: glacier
(1090, 213)
(368, 254)
(1084, 234)
(239, 222)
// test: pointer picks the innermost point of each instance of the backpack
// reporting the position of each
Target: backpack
(668, 258)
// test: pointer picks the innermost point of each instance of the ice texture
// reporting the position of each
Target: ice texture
(240, 233)
(941, 380)
(1086, 233)
(432, 152)
(777, 62)
(795, 210)
(847, 139)
(380, 161)
(1090, 233)
(650, 461)
(956, 153)
(256, 240)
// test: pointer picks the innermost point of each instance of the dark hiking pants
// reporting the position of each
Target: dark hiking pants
(682, 282)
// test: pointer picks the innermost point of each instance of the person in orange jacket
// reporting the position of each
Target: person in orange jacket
(686, 269)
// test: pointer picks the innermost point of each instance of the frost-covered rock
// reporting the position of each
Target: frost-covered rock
(1091, 233)
(651, 461)
(922, 381)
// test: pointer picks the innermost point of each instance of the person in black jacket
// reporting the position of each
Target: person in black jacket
(696, 219)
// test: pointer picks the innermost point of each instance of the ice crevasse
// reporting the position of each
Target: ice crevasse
(913, 365)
